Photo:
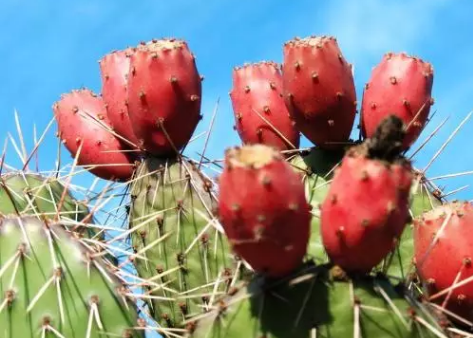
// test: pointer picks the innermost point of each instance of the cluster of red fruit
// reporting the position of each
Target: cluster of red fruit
(150, 103)
(150, 106)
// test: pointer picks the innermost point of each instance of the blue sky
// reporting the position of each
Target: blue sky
(48, 48)
(51, 47)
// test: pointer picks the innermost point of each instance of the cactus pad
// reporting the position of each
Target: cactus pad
(316, 302)
(52, 286)
(178, 248)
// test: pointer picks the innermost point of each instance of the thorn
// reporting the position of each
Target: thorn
(236, 207)
(467, 262)
(391, 207)
(293, 206)
(266, 181)
(142, 96)
(333, 199)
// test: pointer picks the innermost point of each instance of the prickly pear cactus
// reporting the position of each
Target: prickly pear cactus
(178, 249)
(53, 286)
(316, 302)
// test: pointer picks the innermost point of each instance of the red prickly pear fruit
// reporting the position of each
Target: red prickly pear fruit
(443, 254)
(83, 123)
(319, 90)
(263, 209)
(164, 95)
(367, 206)
(257, 96)
(114, 68)
(399, 85)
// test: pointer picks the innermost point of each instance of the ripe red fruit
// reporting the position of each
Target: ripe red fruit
(367, 206)
(319, 90)
(82, 121)
(263, 210)
(257, 96)
(164, 95)
(114, 68)
(399, 85)
(443, 255)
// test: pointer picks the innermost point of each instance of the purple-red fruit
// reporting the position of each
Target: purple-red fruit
(83, 124)
(443, 255)
(399, 85)
(114, 68)
(263, 210)
(164, 95)
(319, 90)
(365, 211)
(261, 116)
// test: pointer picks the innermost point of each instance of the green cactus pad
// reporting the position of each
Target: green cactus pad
(179, 250)
(317, 169)
(33, 194)
(52, 286)
(316, 302)
(399, 265)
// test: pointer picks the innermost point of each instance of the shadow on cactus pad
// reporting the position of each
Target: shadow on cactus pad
(317, 302)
